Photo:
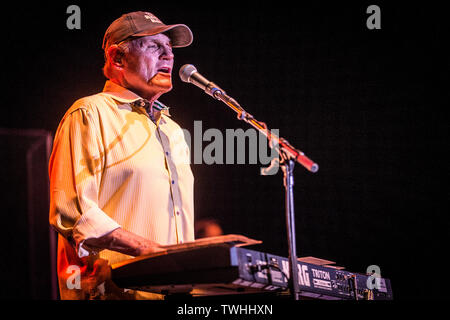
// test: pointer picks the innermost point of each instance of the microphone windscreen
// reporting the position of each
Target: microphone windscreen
(186, 71)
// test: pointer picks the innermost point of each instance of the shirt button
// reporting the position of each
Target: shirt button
(167, 153)
(173, 181)
(178, 213)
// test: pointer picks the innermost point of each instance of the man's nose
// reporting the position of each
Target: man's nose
(167, 54)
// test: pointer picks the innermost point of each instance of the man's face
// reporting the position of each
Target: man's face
(148, 66)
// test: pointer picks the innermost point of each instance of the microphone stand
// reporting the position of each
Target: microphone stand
(289, 155)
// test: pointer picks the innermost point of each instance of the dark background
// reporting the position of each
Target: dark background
(366, 105)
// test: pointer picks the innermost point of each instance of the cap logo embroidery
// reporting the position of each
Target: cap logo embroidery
(151, 17)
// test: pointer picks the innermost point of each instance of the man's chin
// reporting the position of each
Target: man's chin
(162, 81)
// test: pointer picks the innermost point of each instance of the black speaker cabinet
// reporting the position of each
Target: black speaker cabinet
(28, 244)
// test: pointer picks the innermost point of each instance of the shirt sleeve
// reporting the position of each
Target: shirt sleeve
(75, 171)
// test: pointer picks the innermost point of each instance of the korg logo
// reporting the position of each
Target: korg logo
(303, 275)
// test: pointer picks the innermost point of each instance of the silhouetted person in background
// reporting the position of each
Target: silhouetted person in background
(207, 227)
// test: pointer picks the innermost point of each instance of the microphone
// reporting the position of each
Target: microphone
(188, 73)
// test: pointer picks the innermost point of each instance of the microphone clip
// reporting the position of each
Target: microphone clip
(214, 90)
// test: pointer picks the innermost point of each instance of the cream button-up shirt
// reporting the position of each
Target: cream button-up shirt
(112, 166)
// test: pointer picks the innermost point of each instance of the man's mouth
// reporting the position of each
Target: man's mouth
(165, 70)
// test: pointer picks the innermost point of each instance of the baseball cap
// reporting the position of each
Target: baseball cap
(139, 24)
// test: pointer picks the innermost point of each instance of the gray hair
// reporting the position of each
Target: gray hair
(126, 46)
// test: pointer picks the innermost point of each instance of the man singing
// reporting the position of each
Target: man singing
(120, 180)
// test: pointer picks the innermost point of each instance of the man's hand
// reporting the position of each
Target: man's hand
(100, 272)
(125, 242)
(149, 247)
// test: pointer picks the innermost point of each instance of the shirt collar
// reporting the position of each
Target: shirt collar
(124, 95)
(119, 93)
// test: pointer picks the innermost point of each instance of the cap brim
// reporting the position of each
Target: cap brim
(179, 34)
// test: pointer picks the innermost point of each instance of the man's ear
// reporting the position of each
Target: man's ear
(115, 54)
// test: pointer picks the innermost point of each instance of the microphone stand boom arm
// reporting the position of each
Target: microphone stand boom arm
(289, 155)
(285, 149)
